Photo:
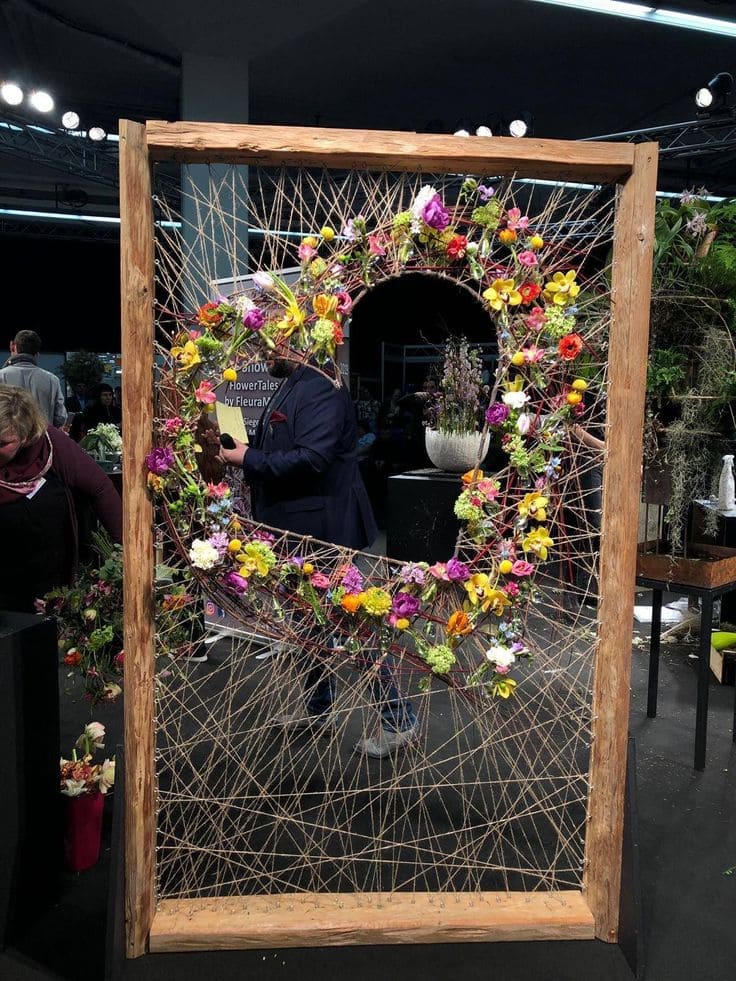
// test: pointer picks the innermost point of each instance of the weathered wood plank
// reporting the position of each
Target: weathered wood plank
(376, 150)
(137, 292)
(630, 298)
(317, 920)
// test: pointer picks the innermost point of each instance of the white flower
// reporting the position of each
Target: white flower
(515, 400)
(523, 423)
(73, 788)
(203, 555)
(501, 656)
(107, 776)
(92, 737)
(418, 204)
(263, 281)
(243, 304)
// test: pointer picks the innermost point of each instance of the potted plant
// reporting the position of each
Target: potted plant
(104, 442)
(453, 440)
(84, 785)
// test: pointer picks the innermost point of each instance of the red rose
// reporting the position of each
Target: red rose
(529, 292)
(456, 246)
(570, 346)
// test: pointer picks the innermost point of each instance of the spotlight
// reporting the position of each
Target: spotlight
(518, 127)
(96, 133)
(11, 93)
(461, 132)
(70, 120)
(483, 131)
(41, 101)
(713, 95)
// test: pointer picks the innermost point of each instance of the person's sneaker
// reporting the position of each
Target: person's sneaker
(386, 742)
(294, 721)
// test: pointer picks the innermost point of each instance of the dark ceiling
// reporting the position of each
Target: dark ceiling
(425, 65)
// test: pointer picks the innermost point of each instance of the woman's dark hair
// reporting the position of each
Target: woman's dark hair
(99, 389)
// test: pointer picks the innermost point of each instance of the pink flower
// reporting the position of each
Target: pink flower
(532, 354)
(173, 426)
(194, 334)
(205, 393)
(375, 245)
(527, 258)
(218, 490)
(516, 222)
(439, 571)
(344, 302)
(522, 568)
(536, 319)
(511, 589)
(319, 580)
(306, 252)
(236, 582)
(488, 489)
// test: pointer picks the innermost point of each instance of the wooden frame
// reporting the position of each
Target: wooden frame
(306, 920)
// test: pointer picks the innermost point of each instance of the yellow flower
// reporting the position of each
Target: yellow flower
(517, 359)
(325, 305)
(352, 602)
(536, 242)
(580, 385)
(376, 601)
(533, 506)
(308, 568)
(235, 545)
(538, 541)
(402, 623)
(502, 293)
(255, 561)
(573, 398)
(481, 593)
(310, 241)
(317, 267)
(156, 483)
(505, 566)
(230, 375)
(507, 236)
(187, 356)
(327, 233)
(503, 687)
(562, 288)
(293, 321)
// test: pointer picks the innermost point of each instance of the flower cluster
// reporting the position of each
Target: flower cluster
(80, 775)
(103, 439)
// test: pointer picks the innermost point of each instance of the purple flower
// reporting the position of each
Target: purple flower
(457, 571)
(352, 580)
(405, 605)
(263, 536)
(236, 582)
(219, 541)
(497, 413)
(160, 460)
(485, 193)
(435, 214)
(254, 319)
(412, 573)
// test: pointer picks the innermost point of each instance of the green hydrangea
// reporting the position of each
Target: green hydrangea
(208, 345)
(488, 215)
(465, 510)
(440, 658)
(558, 323)
(402, 222)
(323, 333)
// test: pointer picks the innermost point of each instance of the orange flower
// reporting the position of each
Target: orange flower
(351, 602)
(209, 314)
(570, 346)
(472, 476)
(72, 658)
(459, 624)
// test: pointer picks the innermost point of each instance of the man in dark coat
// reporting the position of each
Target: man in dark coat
(303, 472)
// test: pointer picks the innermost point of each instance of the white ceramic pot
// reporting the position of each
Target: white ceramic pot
(455, 453)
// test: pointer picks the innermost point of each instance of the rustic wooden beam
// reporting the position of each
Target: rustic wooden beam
(137, 292)
(336, 919)
(627, 359)
(376, 150)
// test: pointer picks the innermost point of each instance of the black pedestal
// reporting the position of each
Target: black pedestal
(30, 812)
(421, 524)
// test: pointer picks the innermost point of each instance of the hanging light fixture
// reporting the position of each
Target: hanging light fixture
(41, 101)
(96, 133)
(70, 120)
(11, 93)
(713, 95)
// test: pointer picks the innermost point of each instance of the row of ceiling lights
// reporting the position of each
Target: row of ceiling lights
(12, 94)
(517, 127)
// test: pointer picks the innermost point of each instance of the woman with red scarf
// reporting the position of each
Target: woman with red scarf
(41, 472)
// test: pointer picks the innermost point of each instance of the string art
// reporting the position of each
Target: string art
(268, 833)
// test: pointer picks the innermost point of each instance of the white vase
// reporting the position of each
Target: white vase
(455, 453)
